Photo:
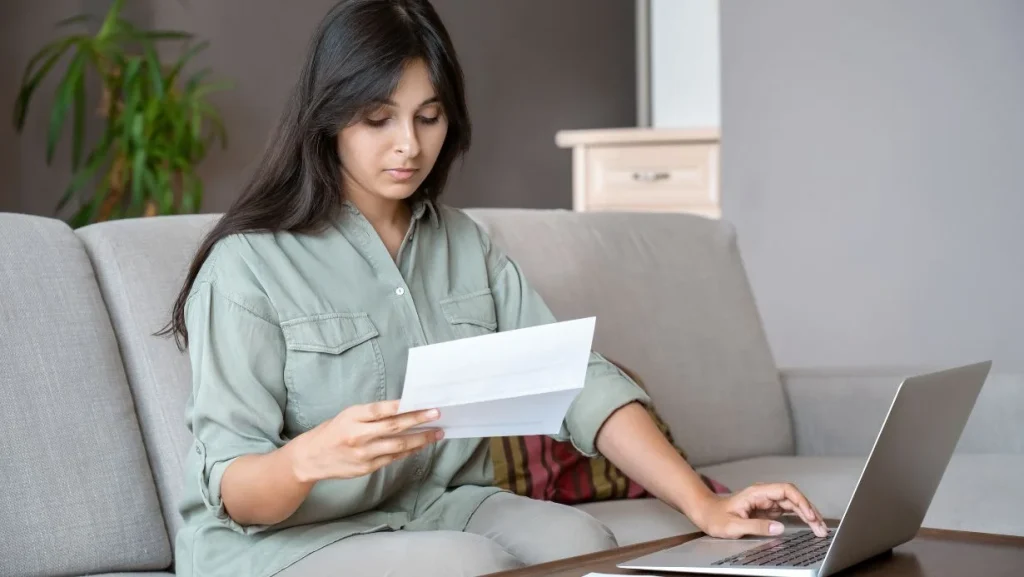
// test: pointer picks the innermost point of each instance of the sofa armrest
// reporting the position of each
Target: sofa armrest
(838, 412)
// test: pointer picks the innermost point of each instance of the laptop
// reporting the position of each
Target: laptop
(896, 486)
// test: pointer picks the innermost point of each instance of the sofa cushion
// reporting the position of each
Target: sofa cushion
(140, 265)
(979, 492)
(672, 301)
(639, 520)
(78, 494)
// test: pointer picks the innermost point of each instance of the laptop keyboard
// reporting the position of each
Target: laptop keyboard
(799, 549)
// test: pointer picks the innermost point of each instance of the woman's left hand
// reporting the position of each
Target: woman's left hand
(754, 510)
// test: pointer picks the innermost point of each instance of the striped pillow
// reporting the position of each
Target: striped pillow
(539, 467)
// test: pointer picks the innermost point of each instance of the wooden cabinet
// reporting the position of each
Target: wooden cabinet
(644, 169)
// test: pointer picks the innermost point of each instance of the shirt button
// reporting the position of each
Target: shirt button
(399, 291)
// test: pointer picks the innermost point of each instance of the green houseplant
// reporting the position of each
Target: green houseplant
(158, 123)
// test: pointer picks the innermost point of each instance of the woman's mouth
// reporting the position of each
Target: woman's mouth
(401, 174)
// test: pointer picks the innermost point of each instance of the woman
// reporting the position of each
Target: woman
(298, 312)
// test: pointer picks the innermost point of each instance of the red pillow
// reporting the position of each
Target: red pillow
(539, 467)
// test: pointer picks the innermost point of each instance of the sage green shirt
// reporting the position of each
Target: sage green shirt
(286, 330)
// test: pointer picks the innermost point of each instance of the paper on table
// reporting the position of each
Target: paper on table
(518, 382)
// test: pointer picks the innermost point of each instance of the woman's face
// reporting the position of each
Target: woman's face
(387, 153)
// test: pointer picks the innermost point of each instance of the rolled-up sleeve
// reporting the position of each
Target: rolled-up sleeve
(238, 394)
(606, 388)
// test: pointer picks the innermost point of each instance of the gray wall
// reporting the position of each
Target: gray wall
(872, 157)
(533, 67)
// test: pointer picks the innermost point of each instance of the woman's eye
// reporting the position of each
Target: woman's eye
(379, 122)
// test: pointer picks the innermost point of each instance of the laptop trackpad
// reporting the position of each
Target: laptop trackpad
(716, 549)
(699, 552)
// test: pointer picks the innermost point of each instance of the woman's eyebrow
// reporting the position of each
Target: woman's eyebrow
(389, 102)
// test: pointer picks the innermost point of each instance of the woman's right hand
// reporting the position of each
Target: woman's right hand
(360, 440)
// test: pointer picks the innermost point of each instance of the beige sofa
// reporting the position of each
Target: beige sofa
(91, 405)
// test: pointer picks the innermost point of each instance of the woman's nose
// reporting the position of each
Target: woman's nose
(408, 142)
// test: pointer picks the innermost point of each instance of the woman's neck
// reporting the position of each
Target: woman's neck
(383, 213)
(389, 218)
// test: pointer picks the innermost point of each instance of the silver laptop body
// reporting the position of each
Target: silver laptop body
(896, 486)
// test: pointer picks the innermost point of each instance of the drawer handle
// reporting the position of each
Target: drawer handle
(650, 176)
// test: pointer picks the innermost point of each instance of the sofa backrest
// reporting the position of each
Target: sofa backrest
(669, 291)
(78, 496)
(140, 265)
(673, 304)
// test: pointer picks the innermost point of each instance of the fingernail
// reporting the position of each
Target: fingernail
(433, 413)
(776, 528)
(439, 435)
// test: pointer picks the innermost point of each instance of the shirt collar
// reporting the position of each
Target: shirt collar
(420, 207)
(423, 206)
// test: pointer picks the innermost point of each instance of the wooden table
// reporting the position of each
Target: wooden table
(933, 553)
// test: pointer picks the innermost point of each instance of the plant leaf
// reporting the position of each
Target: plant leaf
(131, 93)
(29, 85)
(205, 89)
(183, 59)
(96, 159)
(57, 44)
(187, 205)
(163, 194)
(191, 193)
(151, 186)
(130, 32)
(138, 130)
(110, 21)
(156, 77)
(87, 212)
(178, 127)
(138, 169)
(195, 80)
(218, 123)
(73, 20)
(84, 215)
(197, 126)
(78, 131)
(65, 93)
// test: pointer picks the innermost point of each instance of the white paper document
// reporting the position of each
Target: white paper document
(518, 382)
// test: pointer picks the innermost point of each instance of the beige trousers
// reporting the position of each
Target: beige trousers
(506, 532)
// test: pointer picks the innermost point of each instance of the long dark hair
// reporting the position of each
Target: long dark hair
(354, 62)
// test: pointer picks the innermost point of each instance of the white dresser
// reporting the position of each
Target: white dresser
(644, 169)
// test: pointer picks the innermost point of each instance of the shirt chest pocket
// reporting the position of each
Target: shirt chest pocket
(471, 314)
(333, 361)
